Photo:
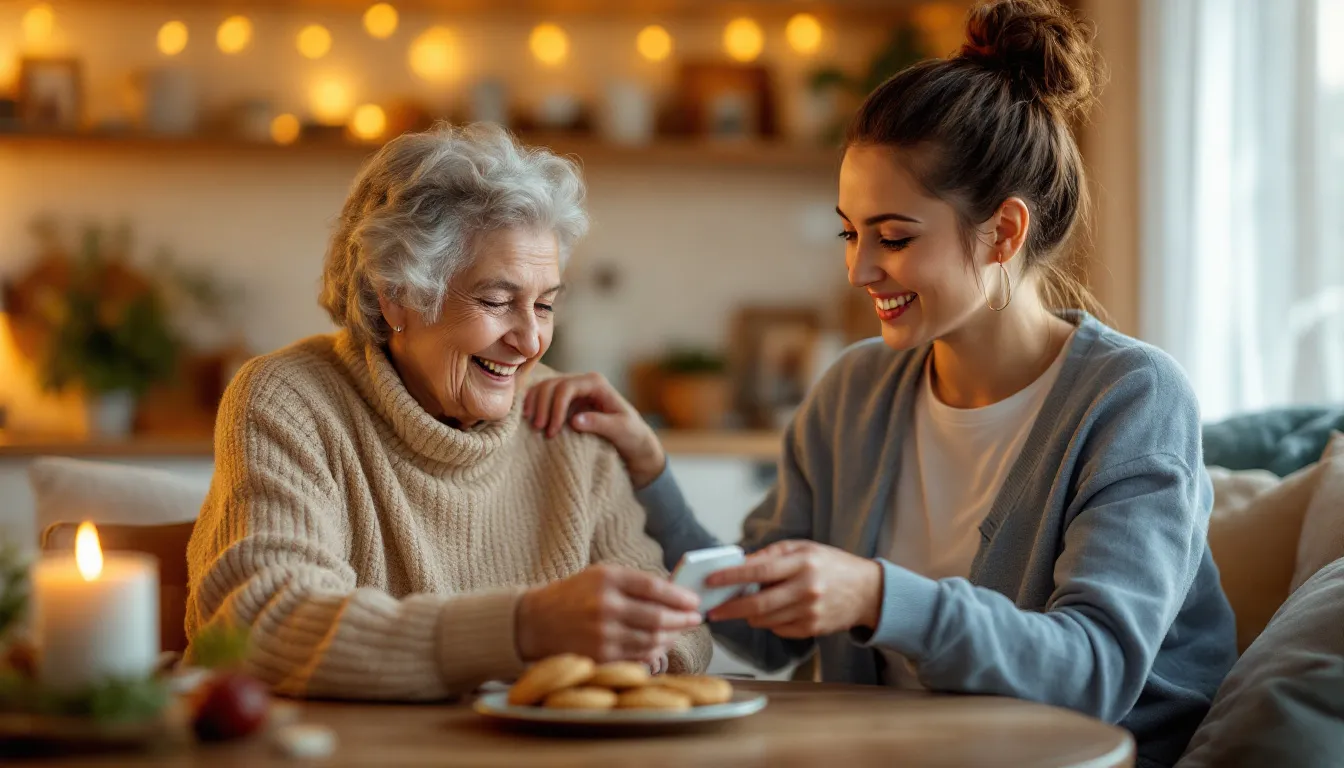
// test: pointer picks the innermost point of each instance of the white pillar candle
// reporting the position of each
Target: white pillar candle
(95, 617)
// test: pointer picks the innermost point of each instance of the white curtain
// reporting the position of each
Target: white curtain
(1243, 197)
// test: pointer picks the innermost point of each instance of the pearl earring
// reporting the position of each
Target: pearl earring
(396, 329)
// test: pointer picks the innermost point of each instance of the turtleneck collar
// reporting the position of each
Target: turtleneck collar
(382, 387)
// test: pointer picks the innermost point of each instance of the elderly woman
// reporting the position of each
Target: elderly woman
(378, 520)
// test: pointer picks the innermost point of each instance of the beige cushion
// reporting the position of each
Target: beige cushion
(1253, 535)
(1322, 539)
(70, 490)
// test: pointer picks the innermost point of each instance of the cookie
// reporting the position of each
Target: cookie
(653, 697)
(620, 675)
(585, 697)
(703, 689)
(548, 676)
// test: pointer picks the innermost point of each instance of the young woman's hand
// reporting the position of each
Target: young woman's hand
(807, 590)
(607, 613)
(588, 403)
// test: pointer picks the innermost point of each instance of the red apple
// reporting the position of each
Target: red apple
(231, 706)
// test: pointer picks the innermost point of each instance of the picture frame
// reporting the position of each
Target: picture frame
(726, 101)
(51, 94)
(774, 359)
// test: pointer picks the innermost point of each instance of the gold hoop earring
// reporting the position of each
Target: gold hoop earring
(1008, 282)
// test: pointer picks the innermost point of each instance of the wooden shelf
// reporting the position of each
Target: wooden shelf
(131, 448)
(755, 445)
(664, 152)
(866, 11)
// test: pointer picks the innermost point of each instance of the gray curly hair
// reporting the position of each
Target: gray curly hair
(417, 207)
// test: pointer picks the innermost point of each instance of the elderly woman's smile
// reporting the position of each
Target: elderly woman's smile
(496, 322)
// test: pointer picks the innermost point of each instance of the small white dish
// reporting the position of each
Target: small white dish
(744, 704)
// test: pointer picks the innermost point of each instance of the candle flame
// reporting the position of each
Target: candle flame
(88, 554)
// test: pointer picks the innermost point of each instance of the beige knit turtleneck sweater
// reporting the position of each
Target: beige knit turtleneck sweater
(376, 553)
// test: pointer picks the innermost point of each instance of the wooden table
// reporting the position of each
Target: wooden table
(805, 724)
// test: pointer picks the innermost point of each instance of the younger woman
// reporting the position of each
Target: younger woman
(1001, 495)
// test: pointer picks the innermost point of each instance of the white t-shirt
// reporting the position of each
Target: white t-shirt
(953, 464)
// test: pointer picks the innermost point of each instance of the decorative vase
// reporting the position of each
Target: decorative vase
(111, 414)
(695, 401)
(627, 116)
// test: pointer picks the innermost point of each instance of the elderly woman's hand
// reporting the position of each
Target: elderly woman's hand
(606, 612)
(588, 403)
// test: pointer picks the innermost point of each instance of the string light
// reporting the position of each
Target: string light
(314, 41)
(743, 39)
(549, 44)
(654, 43)
(330, 102)
(369, 122)
(234, 34)
(39, 23)
(172, 38)
(285, 129)
(803, 33)
(380, 20)
(432, 55)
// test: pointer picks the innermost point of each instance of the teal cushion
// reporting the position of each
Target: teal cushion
(1281, 441)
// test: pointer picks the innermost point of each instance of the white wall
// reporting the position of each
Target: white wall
(691, 244)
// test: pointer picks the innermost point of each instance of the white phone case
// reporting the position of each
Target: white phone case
(695, 566)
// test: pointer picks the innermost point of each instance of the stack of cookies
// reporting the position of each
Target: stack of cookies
(568, 681)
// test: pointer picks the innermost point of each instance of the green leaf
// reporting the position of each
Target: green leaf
(126, 700)
(13, 588)
(115, 700)
(219, 646)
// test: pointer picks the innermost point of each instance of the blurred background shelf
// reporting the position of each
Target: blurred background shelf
(758, 445)
(757, 155)
(871, 11)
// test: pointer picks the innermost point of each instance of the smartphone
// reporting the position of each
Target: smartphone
(696, 565)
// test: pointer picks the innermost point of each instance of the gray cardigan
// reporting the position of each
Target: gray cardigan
(1093, 587)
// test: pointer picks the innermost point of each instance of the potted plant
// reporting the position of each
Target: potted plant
(110, 336)
(695, 392)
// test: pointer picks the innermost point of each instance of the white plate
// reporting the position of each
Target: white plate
(743, 704)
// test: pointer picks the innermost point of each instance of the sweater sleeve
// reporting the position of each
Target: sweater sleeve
(270, 553)
(1134, 542)
(620, 539)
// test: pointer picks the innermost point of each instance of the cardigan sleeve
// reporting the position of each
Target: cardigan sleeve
(620, 539)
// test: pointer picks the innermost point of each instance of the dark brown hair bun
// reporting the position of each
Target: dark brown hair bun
(1041, 46)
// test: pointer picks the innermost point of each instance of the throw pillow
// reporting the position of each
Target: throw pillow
(69, 490)
(1283, 701)
(1322, 538)
(1253, 536)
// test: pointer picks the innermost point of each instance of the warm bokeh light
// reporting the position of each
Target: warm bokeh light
(369, 122)
(88, 554)
(39, 23)
(549, 44)
(743, 39)
(941, 24)
(331, 102)
(380, 20)
(172, 38)
(432, 55)
(234, 34)
(803, 33)
(314, 41)
(654, 43)
(285, 129)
